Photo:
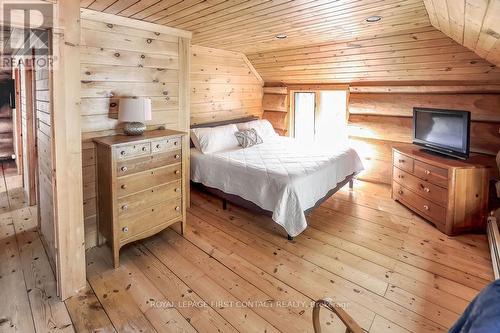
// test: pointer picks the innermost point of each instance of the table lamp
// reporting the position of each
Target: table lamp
(134, 112)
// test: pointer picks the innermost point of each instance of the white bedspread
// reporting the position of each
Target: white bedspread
(279, 176)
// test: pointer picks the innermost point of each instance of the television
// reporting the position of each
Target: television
(443, 131)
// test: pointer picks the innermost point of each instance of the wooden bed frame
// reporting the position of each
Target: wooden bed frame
(239, 201)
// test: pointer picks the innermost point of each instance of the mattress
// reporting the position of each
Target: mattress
(279, 175)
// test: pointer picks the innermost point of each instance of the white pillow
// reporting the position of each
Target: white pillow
(213, 139)
(262, 126)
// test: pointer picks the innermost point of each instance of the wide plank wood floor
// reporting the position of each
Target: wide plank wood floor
(234, 271)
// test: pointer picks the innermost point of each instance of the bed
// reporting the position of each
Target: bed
(280, 177)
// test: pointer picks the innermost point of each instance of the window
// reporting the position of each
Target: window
(319, 116)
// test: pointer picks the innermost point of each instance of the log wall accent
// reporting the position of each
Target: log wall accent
(122, 57)
(423, 55)
(223, 86)
(378, 121)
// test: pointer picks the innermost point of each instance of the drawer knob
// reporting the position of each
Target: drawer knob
(400, 191)
(177, 172)
(123, 152)
(158, 146)
(177, 208)
(401, 161)
(124, 207)
(426, 207)
(177, 189)
(400, 176)
(427, 172)
(125, 229)
(177, 156)
(175, 143)
(144, 148)
(426, 189)
(123, 168)
(123, 186)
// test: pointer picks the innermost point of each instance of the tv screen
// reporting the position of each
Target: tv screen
(444, 131)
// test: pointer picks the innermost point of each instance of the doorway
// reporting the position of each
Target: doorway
(319, 116)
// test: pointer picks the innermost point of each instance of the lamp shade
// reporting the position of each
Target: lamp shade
(134, 109)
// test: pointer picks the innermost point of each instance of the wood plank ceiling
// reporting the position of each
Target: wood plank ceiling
(251, 26)
(472, 23)
(331, 41)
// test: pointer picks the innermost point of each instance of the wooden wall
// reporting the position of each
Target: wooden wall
(125, 58)
(425, 54)
(43, 111)
(223, 86)
(380, 117)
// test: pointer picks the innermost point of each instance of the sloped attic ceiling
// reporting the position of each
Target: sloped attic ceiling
(328, 41)
(472, 23)
(250, 26)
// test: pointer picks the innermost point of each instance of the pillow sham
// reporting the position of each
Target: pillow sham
(213, 139)
(262, 126)
(248, 138)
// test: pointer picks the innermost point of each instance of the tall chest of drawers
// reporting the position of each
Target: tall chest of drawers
(140, 185)
(452, 194)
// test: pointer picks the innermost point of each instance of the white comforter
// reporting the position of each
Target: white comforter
(279, 175)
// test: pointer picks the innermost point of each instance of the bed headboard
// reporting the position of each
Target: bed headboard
(221, 123)
(225, 122)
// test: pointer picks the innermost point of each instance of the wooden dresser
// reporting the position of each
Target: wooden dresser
(140, 184)
(452, 194)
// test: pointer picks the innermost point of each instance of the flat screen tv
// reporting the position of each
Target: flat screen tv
(442, 131)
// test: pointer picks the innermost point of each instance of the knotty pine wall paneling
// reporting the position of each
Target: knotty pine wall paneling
(380, 117)
(44, 137)
(122, 57)
(224, 85)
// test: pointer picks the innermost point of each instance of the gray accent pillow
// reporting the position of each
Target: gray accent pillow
(248, 138)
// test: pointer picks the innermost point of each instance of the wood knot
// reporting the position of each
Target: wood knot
(117, 54)
(109, 25)
(143, 56)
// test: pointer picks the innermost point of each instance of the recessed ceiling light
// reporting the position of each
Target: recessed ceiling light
(281, 36)
(374, 18)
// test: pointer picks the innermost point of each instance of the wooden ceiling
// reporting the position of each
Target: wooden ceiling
(472, 23)
(423, 55)
(331, 41)
(251, 26)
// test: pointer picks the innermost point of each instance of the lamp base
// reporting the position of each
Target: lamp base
(134, 128)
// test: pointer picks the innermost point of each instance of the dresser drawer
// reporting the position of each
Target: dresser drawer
(148, 218)
(143, 180)
(402, 161)
(163, 145)
(425, 207)
(425, 189)
(147, 162)
(131, 204)
(431, 173)
(133, 150)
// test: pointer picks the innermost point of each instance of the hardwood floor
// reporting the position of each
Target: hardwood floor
(236, 272)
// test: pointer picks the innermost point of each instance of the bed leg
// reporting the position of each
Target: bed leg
(351, 184)
(290, 238)
(224, 204)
